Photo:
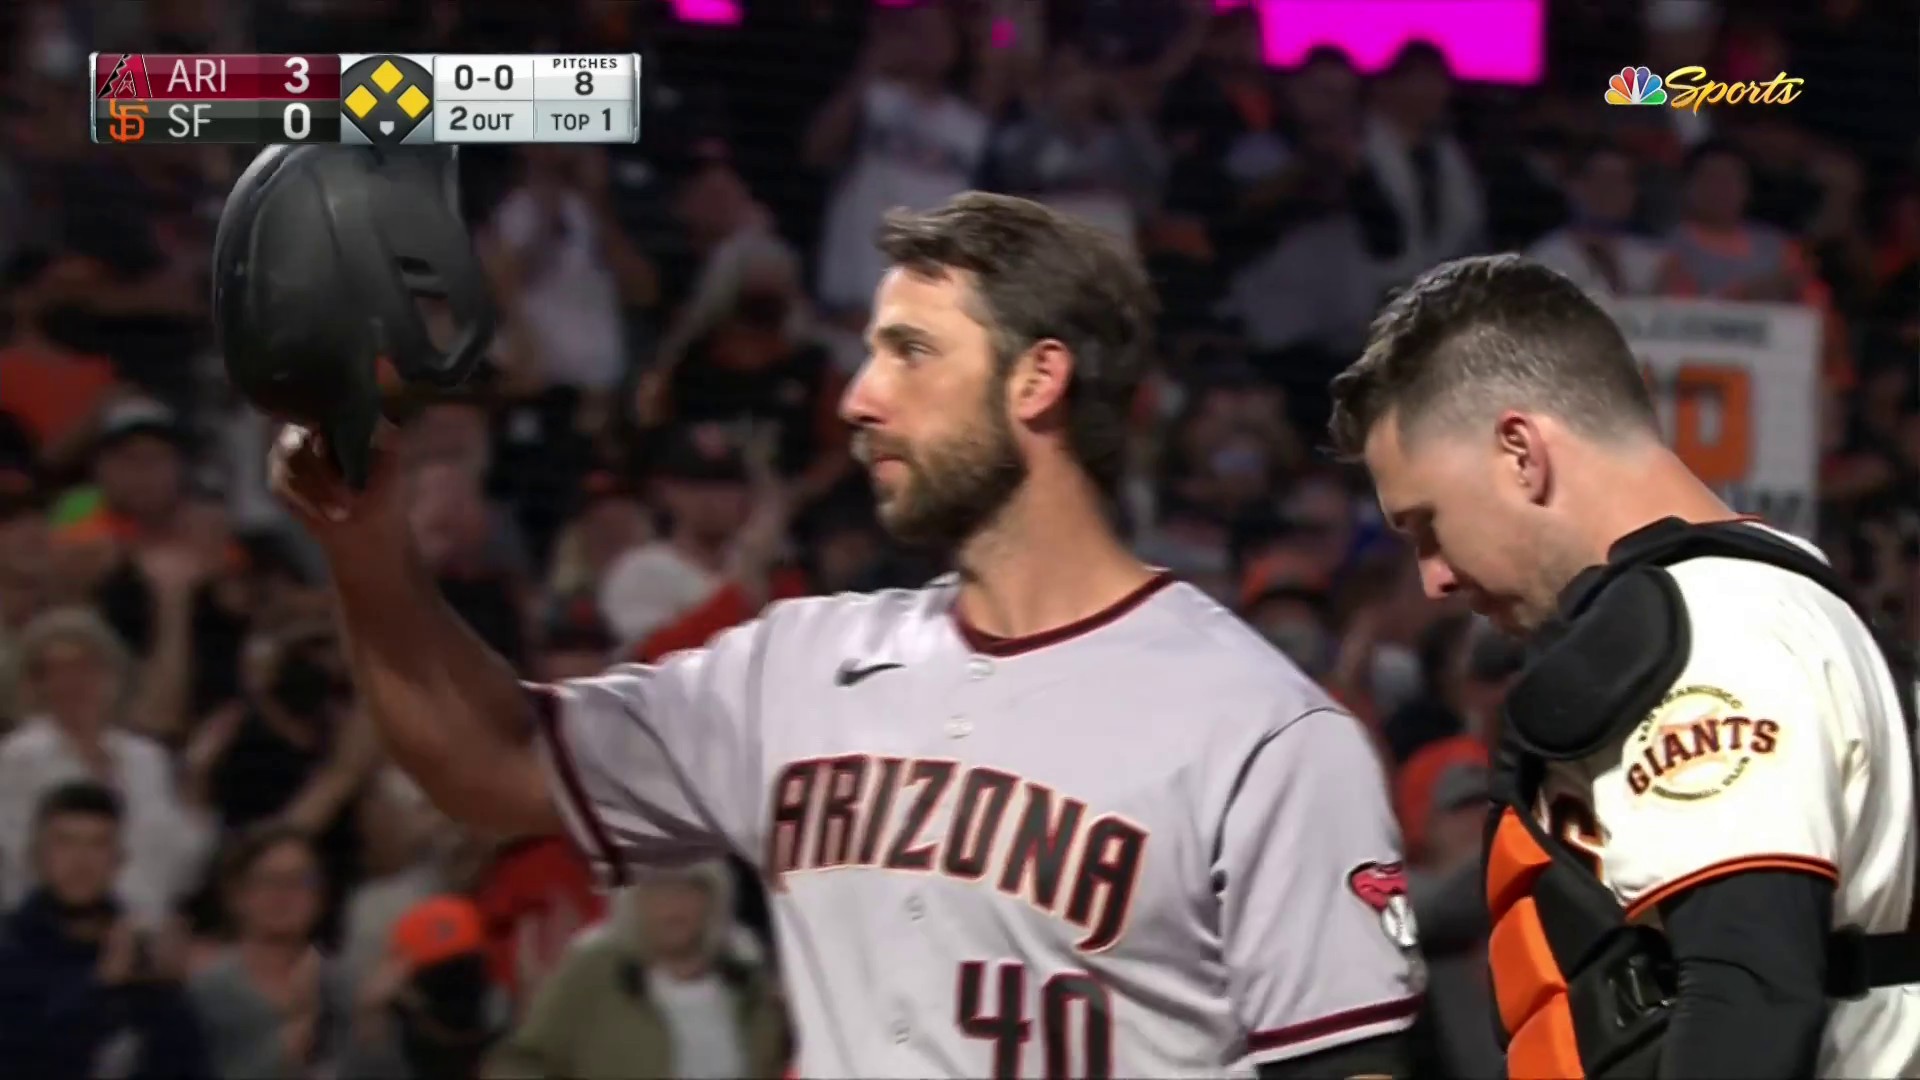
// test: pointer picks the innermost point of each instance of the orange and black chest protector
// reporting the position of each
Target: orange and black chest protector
(1581, 991)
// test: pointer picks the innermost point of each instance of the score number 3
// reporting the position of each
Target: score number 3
(296, 120)
(1009, 1028)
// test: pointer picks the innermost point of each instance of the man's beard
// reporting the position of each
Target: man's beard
(953, 489)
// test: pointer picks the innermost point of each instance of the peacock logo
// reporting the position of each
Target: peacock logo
(1635, 86)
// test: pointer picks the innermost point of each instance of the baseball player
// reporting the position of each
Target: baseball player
(1054, 814)
(1750, 802)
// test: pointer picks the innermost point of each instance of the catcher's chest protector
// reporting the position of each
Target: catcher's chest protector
(1581, 992)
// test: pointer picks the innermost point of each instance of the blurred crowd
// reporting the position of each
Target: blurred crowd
(207, 866)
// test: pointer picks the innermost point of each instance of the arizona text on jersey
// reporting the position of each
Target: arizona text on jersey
(1140, 845)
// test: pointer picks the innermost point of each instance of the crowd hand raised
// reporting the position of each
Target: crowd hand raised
(540, 941)
(172, 568)
(762, 538)
(119, 954)
(168, 947)
(210, 743)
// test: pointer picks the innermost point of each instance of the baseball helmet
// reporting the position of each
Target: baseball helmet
(321, 264)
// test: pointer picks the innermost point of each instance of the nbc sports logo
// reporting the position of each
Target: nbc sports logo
(1635, 86)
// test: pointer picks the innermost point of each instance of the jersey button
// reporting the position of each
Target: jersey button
(979, 668)
(959, 727)
(916, 908)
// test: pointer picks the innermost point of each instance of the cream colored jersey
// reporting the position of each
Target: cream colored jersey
(1780, 746)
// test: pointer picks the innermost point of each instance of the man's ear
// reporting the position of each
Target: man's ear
(1039, 379)
(1522, 445)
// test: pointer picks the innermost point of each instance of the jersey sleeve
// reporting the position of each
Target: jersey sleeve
(1317, 928)
(653, 763)
(1737, 769)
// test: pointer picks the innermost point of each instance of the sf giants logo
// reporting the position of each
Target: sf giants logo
(927, 815)
(129, 121)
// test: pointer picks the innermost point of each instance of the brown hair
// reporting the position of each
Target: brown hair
(245, 849)
(1039, 274)
(1491, 332)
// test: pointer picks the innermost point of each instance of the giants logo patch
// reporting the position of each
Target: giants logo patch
(1383, 887)
(1695, 745)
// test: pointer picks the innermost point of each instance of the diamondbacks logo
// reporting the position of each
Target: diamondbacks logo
(125, 76)
(1383, 887)
(1696, 744)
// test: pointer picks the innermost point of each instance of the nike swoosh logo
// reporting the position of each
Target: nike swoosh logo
(851, 674)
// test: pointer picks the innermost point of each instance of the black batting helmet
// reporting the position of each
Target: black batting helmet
(320, 264)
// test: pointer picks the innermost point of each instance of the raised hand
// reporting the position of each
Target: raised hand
(301, 472)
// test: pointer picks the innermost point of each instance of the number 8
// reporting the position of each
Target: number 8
(583, 83)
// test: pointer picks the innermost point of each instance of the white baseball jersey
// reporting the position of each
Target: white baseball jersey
(1140, 845)
(1781, 745)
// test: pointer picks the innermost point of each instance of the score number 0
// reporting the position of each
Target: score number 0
(296, 120)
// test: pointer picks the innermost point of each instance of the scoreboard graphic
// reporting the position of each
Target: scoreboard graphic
(365, 99)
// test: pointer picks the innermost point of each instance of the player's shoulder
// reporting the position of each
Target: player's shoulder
(867, 622)
(1207, 648)
(1744, 600)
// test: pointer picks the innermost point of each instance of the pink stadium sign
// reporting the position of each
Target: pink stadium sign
(1496, 41)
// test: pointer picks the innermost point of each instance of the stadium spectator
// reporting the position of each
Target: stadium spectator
(86, 987)
(895, 135)
(1080, 144)
(45, 382)
(608, 519)
(654, 992)
(138, 473)
(1298, 242)
(429, 1012)
(1598, 248)
(1223, 117)
(1429, 181)
(26, 567)
(449, 432)
(712, 206)
(1286, 600)
(1718, 250)
(413, 853)
(567, 270)
(701, 481)
(475, 553)
(76, 678)
(155, 554)
(271, 1003)
(295, 751)
(744, 353)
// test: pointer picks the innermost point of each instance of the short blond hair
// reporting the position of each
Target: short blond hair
(70, 625)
